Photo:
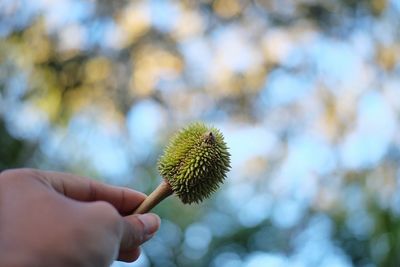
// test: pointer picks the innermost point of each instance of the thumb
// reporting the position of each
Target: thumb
(137, 230)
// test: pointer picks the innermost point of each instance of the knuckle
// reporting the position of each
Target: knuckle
(19, 171)
(12, 173)
(139, 225)
(133, 234)
(137, 230)
(15, 175)
(6, 173)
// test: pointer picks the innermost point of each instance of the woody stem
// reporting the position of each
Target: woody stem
(161, 192)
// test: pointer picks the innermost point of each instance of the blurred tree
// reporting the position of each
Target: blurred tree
(307, 92)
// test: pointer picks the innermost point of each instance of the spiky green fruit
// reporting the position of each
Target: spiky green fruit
(195, 162)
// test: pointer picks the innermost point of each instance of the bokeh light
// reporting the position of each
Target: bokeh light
(306, 93)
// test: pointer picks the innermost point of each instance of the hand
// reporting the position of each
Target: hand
(59, 219)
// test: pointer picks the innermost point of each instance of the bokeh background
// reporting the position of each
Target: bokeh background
(307, 94)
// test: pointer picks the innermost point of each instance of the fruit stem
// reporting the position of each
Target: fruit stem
(161, 192)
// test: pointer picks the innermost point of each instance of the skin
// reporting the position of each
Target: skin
(58, 219)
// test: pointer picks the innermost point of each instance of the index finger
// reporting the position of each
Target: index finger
(80, 188)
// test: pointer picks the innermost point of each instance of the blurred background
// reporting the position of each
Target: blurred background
(307, 94)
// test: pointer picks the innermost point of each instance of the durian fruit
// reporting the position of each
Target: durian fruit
(193, 166)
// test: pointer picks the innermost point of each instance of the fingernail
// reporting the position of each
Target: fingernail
(151, 224)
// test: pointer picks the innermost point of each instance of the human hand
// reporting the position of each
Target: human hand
(59, 219)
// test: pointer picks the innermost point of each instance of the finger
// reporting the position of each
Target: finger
(125, 200)
(138, 229)
(129, 256)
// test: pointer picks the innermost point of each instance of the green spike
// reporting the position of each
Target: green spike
(195, 162)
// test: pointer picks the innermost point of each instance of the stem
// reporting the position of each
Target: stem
(161, 192)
